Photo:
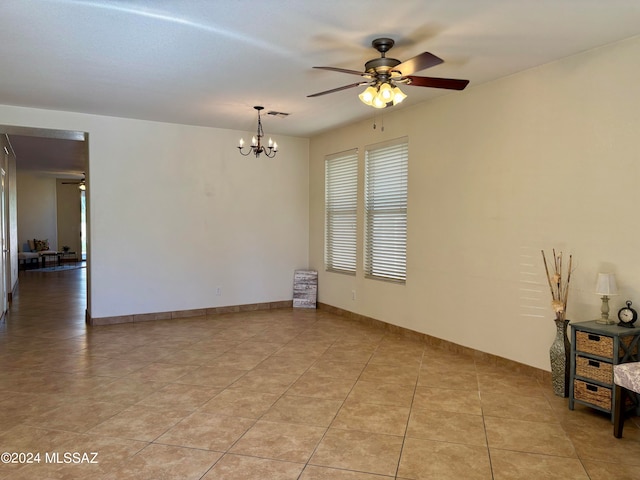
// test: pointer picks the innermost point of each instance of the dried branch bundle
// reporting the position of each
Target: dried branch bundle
(559, 288)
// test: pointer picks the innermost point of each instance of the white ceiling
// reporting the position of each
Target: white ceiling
(208, 62)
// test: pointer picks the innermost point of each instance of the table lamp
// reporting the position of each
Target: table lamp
(606, 286)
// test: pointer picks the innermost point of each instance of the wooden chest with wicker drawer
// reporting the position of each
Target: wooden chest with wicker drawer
(591, 369)
(595, 349)
(593, 394)
(602, 345)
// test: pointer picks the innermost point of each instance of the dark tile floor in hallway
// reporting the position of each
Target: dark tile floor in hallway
(278, 394)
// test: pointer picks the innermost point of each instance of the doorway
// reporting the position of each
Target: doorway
(44, 158)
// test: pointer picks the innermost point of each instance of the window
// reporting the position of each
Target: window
(341, 201)
(386, 168)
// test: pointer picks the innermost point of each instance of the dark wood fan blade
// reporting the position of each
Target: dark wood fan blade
(343, 70)
(338, 89)
(417, 63)
(449, 83)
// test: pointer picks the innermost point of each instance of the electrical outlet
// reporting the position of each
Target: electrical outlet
(219, 291)
(353, 294)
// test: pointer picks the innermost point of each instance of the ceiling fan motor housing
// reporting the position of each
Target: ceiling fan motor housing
(381, 67)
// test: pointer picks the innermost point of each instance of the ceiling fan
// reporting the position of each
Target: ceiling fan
(81, 183)
(382, 75)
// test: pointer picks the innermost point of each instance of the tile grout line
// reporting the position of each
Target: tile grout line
(406, 430)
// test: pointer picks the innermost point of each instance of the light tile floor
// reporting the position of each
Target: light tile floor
(280, 394)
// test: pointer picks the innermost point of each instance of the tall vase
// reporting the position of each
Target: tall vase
(560, 357)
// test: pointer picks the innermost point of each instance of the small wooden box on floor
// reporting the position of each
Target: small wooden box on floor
(305, 288)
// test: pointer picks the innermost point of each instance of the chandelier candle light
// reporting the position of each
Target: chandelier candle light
(256, 146)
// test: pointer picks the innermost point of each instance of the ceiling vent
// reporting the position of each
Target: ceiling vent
(277, 114)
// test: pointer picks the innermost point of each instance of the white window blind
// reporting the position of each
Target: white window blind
(341, 202)
(386, 168)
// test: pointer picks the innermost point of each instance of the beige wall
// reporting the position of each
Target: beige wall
(176, 213)
(548, 158)
(37, 212)
(47, 209)
(68, 219)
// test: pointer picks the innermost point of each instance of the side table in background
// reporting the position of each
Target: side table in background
(68, 257)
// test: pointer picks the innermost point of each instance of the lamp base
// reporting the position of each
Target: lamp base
(604, 312)
(605, 321)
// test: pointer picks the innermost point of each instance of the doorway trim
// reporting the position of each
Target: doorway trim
(8, 131)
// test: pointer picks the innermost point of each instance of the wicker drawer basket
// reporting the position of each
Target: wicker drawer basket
(594, 369)
(594, 394)
(601, 345)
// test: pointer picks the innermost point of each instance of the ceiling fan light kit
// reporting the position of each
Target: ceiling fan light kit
(384, 74)
(382, 96)
(256, 146)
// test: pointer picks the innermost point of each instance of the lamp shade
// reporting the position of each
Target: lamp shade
(367, 96)
(398, 95)
(378, 102)
(386, 92)
(606, 284)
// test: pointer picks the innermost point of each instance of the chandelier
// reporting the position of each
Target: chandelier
(382, 94)
(256, 146)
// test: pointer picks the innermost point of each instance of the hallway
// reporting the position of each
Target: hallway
(277, 394)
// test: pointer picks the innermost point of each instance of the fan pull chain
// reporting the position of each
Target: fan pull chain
(381, 125)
